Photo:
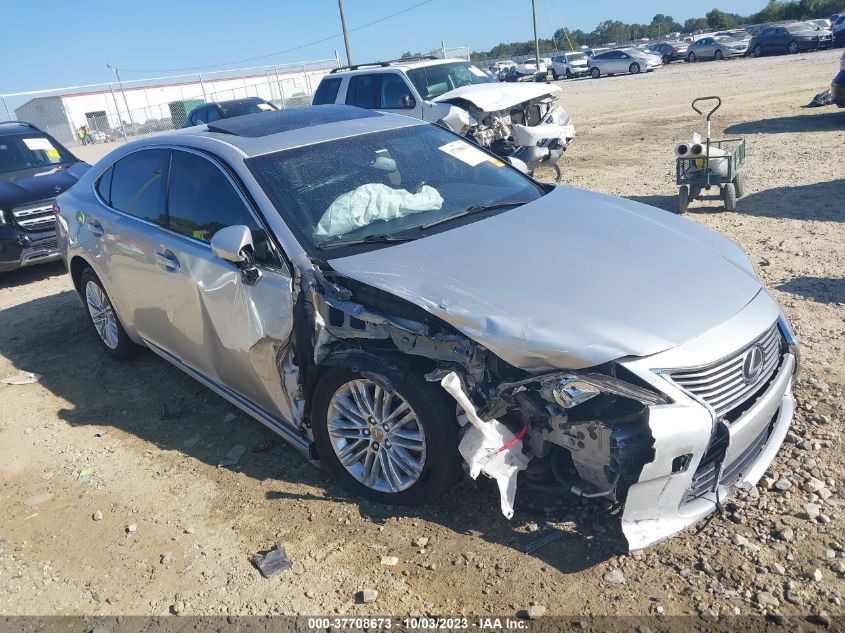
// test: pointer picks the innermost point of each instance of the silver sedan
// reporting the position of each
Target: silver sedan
(621, 61)
(719, 47)
(339, 275)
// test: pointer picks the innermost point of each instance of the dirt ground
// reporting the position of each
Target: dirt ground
(174, 532)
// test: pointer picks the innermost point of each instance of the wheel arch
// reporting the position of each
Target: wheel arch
(76, 265)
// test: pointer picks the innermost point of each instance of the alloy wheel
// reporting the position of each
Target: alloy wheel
(792, 48)
(377, 436)
(102, 314)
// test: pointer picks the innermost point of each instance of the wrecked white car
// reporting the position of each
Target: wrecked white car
(521, 123)
(397, 303)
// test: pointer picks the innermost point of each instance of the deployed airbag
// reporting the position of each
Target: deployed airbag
(375, 201)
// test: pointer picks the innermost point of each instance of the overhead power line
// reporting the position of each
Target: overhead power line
(282, 52)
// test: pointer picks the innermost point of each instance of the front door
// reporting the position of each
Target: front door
(233, 333)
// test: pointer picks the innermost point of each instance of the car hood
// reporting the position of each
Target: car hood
(571, 280)
(42, 183)
(492, 97)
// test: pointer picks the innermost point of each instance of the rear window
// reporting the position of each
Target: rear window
(247, 107)
(327, 91)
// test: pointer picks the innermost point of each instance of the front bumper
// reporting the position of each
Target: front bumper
(660, 504)
(18, 249)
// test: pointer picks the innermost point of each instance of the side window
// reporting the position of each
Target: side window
(198, 115)
(212, 113)
(363, 91)
(327, 91)
(138, 184)
(201, 201)
(104, 185)
(393, 91)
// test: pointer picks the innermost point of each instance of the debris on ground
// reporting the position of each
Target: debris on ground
(132, 527)
(368, 596)
(233, 456)
(824, 98)
(264, 445)
(173, 411)
(272, 562)
(23, 378)
(614, 577)
(97, 516)
(390, 561)
(551, 537)
(535, 611)
(84, 475)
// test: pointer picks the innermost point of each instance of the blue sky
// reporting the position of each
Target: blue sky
(68, 42)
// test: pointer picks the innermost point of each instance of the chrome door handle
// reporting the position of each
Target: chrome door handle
(94, 226)
(167, 260)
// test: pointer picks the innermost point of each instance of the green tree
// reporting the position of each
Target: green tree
(695, 24)
(719, 20)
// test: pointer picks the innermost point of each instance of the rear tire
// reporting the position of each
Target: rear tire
(595, 73)
(691, 58)
(683, 199)
(104, 319)
(431, 417)
(729, 196)
(666, 60)
(569, 74)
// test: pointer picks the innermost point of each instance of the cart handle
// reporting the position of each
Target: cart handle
(709, 114)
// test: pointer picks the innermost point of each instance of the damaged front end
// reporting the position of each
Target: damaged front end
(527, 134)
(585, 433)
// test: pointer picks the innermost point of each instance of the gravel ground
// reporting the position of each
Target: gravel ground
(109, 509)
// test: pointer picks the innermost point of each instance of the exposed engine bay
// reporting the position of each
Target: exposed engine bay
(583, 432)
(527, 134)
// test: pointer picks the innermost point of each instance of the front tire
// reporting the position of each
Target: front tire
(666, 60)
(396, 446)
(555, 75)
(792, 48)
(595, 73)
(717, 55)
(104, 319)
(569, 74)
(691, 58)
(634, 68)
(757, 51)
(683, 199)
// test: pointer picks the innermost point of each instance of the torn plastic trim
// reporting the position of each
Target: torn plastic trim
(488, 447)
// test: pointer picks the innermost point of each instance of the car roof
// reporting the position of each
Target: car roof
(268, 132)
(404, 64)
(18, 127)
(237, 101)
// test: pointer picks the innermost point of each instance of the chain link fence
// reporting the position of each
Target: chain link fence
(108, 112)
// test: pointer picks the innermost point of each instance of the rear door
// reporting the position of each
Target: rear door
(231, 332)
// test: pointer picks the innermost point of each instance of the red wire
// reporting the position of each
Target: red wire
(518, 437)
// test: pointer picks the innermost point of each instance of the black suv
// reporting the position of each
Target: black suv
(216, 110)
(34, 169)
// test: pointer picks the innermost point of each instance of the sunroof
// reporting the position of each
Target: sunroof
(267, 123)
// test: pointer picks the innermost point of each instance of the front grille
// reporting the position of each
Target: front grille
(704, 479)
(36, 216)
(722, 385)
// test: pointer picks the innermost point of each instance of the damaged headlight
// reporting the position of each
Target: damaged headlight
(572, 390)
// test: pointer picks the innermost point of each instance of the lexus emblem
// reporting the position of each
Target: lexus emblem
(752, 364)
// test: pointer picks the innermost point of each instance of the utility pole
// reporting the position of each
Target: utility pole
(536, 42)
(345, 32)
(123, 92)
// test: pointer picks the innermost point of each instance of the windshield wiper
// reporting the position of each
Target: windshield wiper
(369, 239)
(476, 208)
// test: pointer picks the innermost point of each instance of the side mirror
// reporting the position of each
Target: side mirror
(229, 243)
(408, 102)
(234, 244)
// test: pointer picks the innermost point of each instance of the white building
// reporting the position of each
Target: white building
(152, 108)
